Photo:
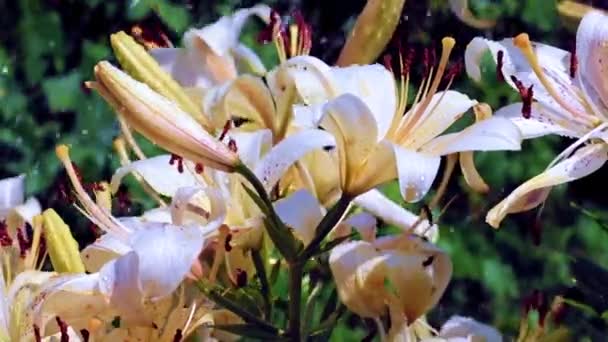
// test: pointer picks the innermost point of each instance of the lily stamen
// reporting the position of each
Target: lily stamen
(522, 41)
(90, 209)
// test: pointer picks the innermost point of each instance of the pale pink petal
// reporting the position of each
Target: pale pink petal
(592, 50)
(302, 212)
(540, 123)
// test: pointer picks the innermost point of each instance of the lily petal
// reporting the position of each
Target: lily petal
(465, 327)
(158, 172)
(493, 134)
(252, 145)
(444, 109)
(302, 212)
(106, 248)
(533, 192)
(353, 125)
(359, 289)
(276, 162)
(417, 171)
(11, 193)
(539, 124)
(390, 212)
(166, 254)
(224, 33)
(120, 283)
(592, 48)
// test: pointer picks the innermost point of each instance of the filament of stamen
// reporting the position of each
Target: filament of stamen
(90, 206)
(522, 41)
(121, 150)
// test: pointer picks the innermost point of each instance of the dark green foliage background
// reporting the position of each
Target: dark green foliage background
(48, 48)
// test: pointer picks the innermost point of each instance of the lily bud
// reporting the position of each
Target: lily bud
(61, 245)
(372, 31)
(161, 120)
(140, 65)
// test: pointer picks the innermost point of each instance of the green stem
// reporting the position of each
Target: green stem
(296, 272)
(310, 306)
(260, 268)
(333, 216)
(244, 171)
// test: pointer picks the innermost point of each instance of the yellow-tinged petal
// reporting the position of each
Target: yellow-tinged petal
(533, 192)
(572, 12)
(161, 120)
(471, 176)
(359, 275)
(372, 31)
(248, 97)
(61, 245)
(141, 66)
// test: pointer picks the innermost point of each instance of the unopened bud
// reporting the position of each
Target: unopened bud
(61, 245)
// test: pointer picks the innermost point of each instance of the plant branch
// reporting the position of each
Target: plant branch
(296, 272)
(260, 269)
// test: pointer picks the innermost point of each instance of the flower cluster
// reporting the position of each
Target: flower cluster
(274, 171)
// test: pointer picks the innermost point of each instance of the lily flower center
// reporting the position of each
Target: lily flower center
(404, 122)
(290, 40)
(522, 42)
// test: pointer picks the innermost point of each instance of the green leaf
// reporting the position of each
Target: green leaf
(62, 92)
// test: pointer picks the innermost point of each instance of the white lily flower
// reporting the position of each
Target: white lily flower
(212, 53)
(568, 101)
(403, 273)
(374, 132)
(459, 328)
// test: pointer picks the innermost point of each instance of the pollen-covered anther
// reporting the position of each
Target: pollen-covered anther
(573, 63)
(387, 60)
(5, 238)
(178, 161)
(526, 97)
(499, 65)
(453, 70)
(225, 129)
(241, 278)
(178, 335)
(150, 36)
(24, 243)
(232, 145)
(227, 245)
(63, 329)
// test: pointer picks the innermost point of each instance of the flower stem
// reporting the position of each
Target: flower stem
(334, 215)
(296, 272)
(260, 269)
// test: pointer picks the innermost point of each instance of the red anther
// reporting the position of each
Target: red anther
(24, 243)
(227, 245)
(407, 61)
(179, 160)
(526, 97)
(37, 336)
(199, 168)
(63, 329)
(232, 145)
(433, 57)
(426, 60)
(241, 278)
(227, 127)
(388, 62)
(94, 229)
(268, 33)
(124, 200)
(558, 311)
(453, 70)
(5, 238)
(150, 36)
(178, 335)
(304, 31)
(573, 63)
(499, 64)
(85, 335)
